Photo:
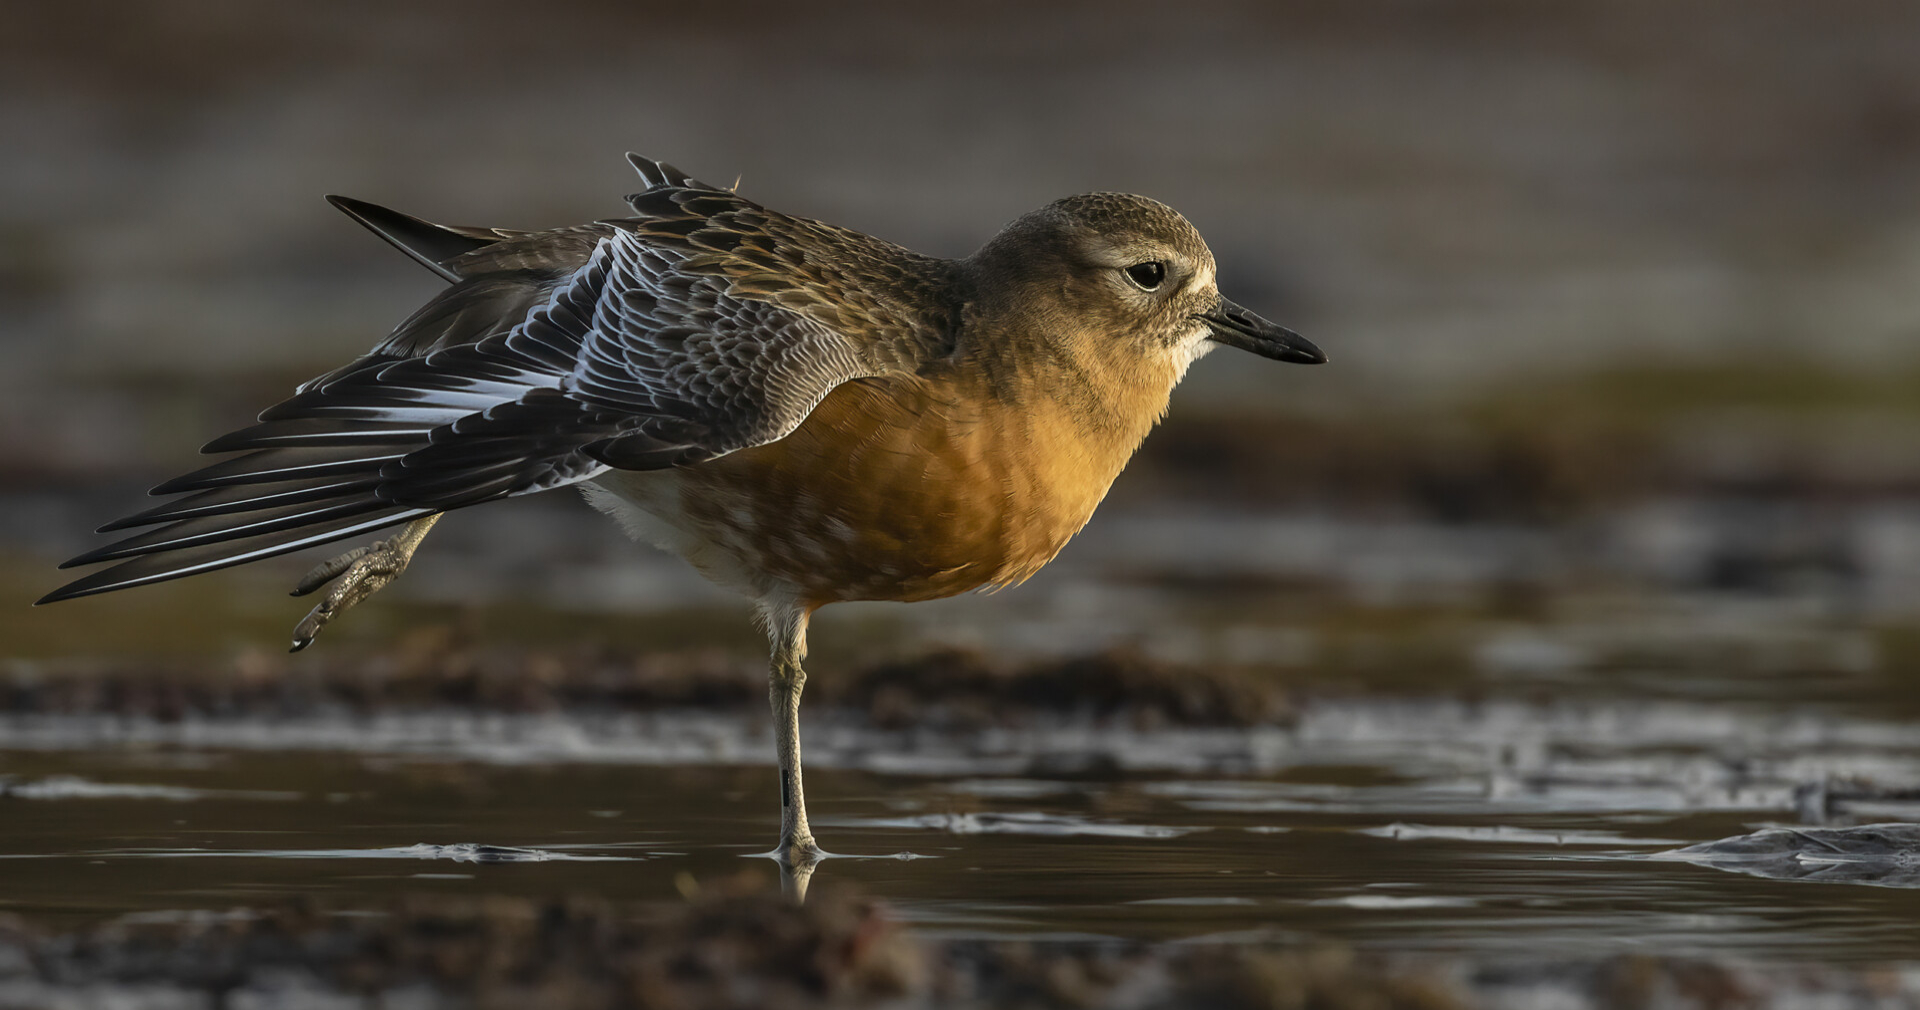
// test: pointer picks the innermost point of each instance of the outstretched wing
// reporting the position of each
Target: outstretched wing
(703, 326)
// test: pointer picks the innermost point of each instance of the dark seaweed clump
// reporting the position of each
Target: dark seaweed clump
(434, 667)
(737, 945)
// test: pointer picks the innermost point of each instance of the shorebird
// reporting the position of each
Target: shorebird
(805, 413)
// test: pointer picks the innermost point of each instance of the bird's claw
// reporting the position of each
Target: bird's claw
(327, 570)
(360, 572)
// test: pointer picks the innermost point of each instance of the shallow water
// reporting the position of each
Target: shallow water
(1491, 777)
(1507, 825)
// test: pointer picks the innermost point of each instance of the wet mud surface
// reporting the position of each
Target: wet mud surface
(1208, 759)
(735, 944)
(1003, 833)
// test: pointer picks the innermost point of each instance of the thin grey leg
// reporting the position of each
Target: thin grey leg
(787, 632)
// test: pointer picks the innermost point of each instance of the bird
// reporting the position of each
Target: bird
(804, 413)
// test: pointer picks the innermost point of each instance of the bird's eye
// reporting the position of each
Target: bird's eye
(1147, 275)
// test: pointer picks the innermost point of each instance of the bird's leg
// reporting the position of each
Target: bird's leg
(361, 572)
(787, 628)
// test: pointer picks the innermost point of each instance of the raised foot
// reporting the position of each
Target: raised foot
(360, 572)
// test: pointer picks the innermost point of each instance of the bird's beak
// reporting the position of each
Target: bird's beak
(1236, 327)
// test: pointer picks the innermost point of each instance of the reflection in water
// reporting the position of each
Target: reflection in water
(1020, 822)
(1496, 826)
(796, 873)
(462, 852)
(1884, 855)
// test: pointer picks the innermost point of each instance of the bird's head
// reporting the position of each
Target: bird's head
(1121, 269)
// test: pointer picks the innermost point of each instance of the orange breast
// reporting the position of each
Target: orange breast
(905, 489)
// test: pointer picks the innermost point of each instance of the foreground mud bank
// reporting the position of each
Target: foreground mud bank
(737, 943)
(433, 668)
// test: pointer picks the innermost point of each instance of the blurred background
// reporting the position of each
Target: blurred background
(1619, 295)
(1602, 527)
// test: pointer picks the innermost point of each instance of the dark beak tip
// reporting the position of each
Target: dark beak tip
(1298, 350)
(1292, 348)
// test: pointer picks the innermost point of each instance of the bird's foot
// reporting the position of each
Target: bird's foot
(798, 858)
(360, 572)
(800, 850)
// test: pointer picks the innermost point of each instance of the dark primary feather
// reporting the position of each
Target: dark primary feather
(209, 557)
(431, 244)
(703, 325)
(243, 498)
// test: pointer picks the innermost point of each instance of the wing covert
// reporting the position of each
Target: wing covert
(681, 354)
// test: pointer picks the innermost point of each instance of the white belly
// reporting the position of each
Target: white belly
(647, 504)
